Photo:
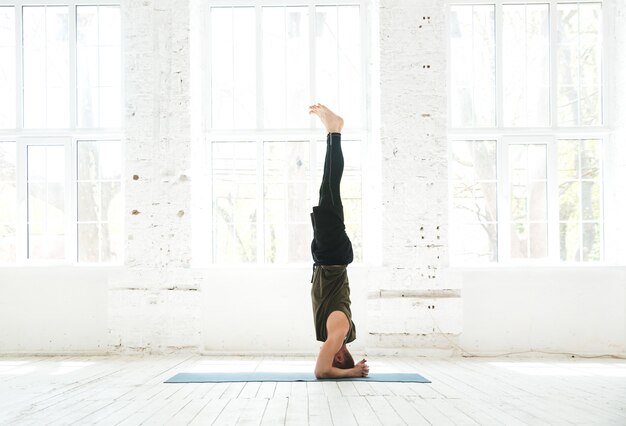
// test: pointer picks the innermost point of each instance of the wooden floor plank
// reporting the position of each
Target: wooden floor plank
(406, 411)
(253, 411)
(210, 412)
(232, 412)
(319, 410)
(188, 412)
(362, 411)
(275, 412)
(297, 411)
(266, 390)
(385, 413)
(121, 389)
(429, 412)
(340, 411)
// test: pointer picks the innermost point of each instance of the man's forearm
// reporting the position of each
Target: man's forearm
(334, 373)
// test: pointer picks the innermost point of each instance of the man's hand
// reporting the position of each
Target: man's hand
(361, 369)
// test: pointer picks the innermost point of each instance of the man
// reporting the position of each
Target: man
(332, 252)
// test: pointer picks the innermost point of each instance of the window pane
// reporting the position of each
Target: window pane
(234, 169)
(474, 243)
(88, 241)
(526, 65)
(46, 202)
(87, 107)
(580, 200)
(570, 241)
(579, 67)
(109, 27)
(100, 203)
(7, 67)
(7, 162)
(110, 107)
(111, 202)
(538, 243)
(285, 66)
(529, 204)
(299, 242)
(287, 204)
(326, 56)
(473, 188)
(592, 243)
(338, 60)
(569, 201)
(590, 159)
(46, 66)
(8, 201)
(233, 67)
(98, 66)
(472, 41)
(88, 201)
(350, 65)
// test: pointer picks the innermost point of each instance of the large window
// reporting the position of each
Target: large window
(60, 142)
(526, 132)
(266, 65)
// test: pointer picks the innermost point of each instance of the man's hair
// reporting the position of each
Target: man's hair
(348, 361)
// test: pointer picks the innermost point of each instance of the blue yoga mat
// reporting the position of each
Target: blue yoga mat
(289, 377)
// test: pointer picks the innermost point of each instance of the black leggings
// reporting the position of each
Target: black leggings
(331, 245)
(330, 195)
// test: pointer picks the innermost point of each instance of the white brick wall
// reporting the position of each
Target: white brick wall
(414, 172)
(154, 304)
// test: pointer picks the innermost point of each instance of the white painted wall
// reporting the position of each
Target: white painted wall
(578, 310)
(157, 302)
(53, 310)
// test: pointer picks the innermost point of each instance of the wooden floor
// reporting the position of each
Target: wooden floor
(129, 390)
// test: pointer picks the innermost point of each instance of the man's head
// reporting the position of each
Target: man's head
(343, 359)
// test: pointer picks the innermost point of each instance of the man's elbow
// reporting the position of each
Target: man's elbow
(321, 373)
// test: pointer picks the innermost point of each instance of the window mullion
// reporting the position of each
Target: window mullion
(19, 69)
(578, 67)
(285, 181)
(363, 12)
(554, 244)
(21, 231)
(553, 42)
(607, 63)
(601, 180)
(71, 205)
(312, 46)
(259, 68)
(260, 202)
(207, 56)
(208, 155)
(232, 66)
(503, 201)
(73, 63)
(499, 68)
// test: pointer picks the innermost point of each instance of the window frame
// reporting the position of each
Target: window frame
(69, 142)
(548, 135)
(203, 240)
(68, 137)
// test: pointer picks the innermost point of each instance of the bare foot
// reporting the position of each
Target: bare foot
(331, 121)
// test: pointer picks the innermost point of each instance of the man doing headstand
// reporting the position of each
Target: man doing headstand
(332, 252)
